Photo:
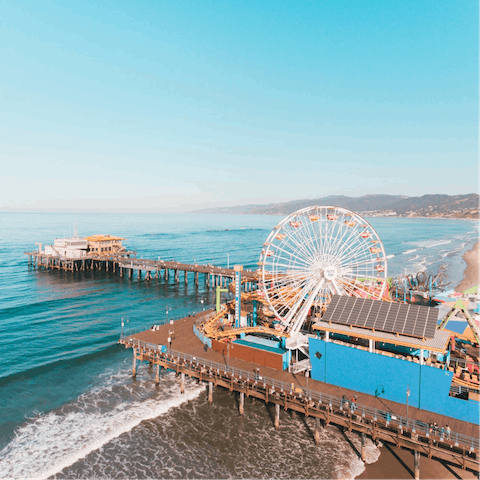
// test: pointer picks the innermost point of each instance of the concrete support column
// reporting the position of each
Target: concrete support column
(327, 336)
(134, 366)
(182, 383)
(417, 464)
(364, 453)
(241, 403)
(421, 356)
(316, 436)
(130, 272)
(157, 374)
(196, 278)
(371, 346)
(186, 277)
(210, 392)
(277, 416)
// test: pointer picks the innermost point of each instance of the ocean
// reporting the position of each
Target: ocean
(69, 407)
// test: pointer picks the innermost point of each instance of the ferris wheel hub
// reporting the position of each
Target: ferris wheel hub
(330, 272)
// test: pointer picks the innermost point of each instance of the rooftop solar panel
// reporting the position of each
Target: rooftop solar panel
(415, 320)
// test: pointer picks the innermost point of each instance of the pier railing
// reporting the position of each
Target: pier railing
(316, 399)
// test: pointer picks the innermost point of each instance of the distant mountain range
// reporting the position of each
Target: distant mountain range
(445, 206)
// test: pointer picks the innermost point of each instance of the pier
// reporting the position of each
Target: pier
(128, 266)
(175, 346)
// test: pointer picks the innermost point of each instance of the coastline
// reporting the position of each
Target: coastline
(397, 463)
(471, 273)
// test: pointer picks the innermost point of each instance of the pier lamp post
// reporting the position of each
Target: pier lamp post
(123, 323)
(408, 394)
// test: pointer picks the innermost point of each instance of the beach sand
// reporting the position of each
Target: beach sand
(470, 276)
(396, 463)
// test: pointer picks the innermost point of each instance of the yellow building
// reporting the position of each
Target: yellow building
(105, 245)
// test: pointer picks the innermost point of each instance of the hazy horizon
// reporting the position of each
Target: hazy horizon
(157, 210)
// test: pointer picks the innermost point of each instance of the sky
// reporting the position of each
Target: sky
(174, 106)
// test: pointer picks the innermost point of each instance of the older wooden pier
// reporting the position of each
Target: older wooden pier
(177, 348)
(127, 266)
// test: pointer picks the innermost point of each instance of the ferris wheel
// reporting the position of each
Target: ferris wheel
(315, 253)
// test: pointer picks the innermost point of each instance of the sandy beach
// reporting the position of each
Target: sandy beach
(470, 276)
(397, 463)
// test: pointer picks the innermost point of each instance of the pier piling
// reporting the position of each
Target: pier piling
(182, 383)
(157, 374)
(277, 416)
(241, 403)
(417, 464)
(363, 453)
(210, 392)
(134, 367)
(317, 431)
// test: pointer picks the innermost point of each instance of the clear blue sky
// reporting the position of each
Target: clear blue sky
(175, 105)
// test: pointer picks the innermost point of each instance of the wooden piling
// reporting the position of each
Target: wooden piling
(241, 403)
(210, 392)
(182, 383)
(157, 374)
(134, 367)
(364, 453)
(277, 416)
(416, 455)
(316, 436)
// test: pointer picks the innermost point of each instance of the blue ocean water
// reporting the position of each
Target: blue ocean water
(69, 406)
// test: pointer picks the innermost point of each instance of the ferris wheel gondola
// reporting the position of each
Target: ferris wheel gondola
(315, 253)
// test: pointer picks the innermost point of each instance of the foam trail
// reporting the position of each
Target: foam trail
(406, 252)
(53, 442)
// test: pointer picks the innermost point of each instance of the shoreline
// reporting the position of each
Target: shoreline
(397, 463)
(471, 272)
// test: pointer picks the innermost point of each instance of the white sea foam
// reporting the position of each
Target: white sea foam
(52, 442)
(406, 252)
(390, 256)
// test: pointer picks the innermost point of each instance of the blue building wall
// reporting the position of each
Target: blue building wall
(389, 377)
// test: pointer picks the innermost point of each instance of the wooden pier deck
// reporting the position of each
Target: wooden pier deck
(127, 265)
(374, 416)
